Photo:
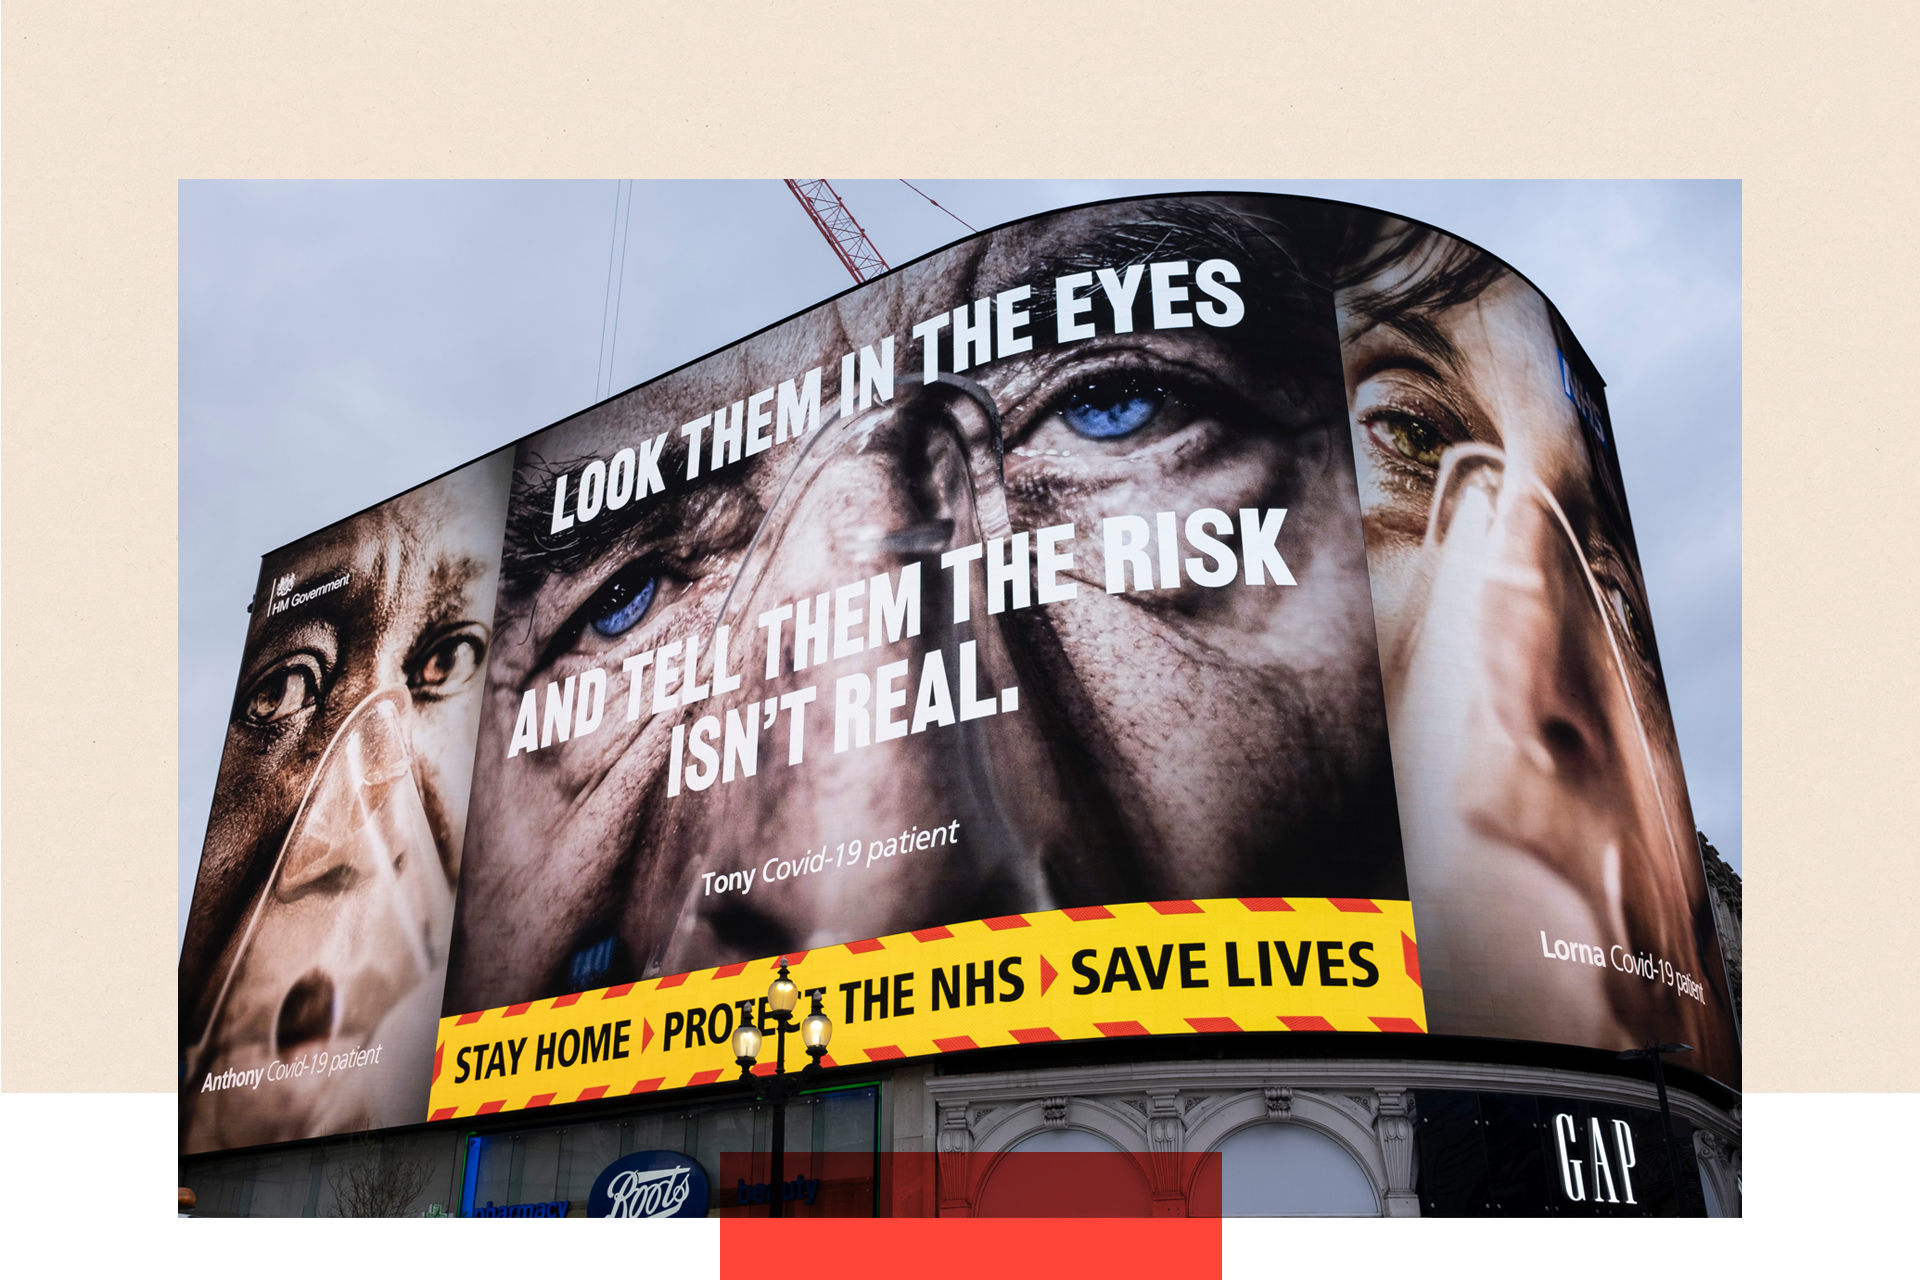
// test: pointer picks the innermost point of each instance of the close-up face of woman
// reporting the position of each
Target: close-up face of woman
(1534, 752)
(325, 896)
(1191, 736)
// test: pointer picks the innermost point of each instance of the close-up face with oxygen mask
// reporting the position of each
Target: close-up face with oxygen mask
(1034, 737)
(315, 949)
(1538, 772)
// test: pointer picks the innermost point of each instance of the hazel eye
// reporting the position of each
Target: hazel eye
(284, 691)
(450, 664)
(622, 603)
(1412, 437)
(1627, 617)
(1112, 408)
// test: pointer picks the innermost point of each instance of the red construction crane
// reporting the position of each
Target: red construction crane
(829, 212)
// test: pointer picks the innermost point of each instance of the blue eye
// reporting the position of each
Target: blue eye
(623, 602)
(1107, 411)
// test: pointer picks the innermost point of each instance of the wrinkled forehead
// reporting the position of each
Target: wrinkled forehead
(441, 523)
(1258, 234)
(424, 553)
(1278, 243)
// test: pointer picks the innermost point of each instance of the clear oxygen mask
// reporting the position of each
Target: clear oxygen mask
(923, 789)
(333, 988)
(1533, 796)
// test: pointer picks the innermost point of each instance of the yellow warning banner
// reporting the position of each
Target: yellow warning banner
(1147, 968)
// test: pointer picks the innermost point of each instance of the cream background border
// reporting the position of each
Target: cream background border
(105, 106)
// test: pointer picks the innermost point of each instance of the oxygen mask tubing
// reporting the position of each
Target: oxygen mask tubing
(354, 915)
(1498, 652)
(849, 559)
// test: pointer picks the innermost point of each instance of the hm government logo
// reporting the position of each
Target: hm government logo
(285, 597)
(650, 1184)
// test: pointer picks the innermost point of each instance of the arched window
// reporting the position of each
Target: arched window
(1065, 1173)
(1290, 1170)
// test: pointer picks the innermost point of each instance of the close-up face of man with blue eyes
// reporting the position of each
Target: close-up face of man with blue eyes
(1180, 742)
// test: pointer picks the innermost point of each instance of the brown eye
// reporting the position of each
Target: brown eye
(449, 665)
(282, 692)
(1412, 438)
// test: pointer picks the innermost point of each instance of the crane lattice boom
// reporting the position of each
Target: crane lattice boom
(829, 212)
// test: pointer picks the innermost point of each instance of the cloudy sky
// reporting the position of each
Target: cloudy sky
(343, 341)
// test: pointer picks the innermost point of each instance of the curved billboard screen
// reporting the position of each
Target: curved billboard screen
(1188, 615)
(316, 946)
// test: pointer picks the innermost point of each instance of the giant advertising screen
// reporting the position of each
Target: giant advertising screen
(1202, 614)
(316, 945)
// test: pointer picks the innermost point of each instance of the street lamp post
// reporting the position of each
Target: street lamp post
(1666, 1116)
(815, 1031)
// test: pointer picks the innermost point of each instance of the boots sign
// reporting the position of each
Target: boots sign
(650, 1184)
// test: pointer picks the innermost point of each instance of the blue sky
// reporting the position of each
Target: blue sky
(343, 341)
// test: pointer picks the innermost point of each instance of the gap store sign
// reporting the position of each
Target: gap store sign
(1518, 1155)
